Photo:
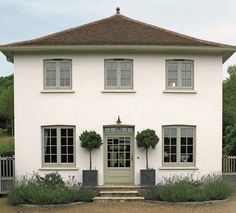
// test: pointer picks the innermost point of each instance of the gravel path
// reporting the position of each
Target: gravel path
(128, 207)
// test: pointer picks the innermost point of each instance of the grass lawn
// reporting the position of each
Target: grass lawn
(128, 207)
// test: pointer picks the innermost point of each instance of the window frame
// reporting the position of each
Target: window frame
(179, 73)
(58, 74)
(178, 163)
(118, 86)
(58, 164)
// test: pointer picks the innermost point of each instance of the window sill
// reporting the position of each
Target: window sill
(178, 168)
(57, 91)
(58, 169)
(118, 91)
(180, 91)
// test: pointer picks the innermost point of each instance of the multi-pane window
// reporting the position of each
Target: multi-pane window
(178, 145)
(118, 152)
(179, 74)
(58, 146)
(57, 74)
(118, 74)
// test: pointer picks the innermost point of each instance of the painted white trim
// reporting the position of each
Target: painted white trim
(178, 168)
(180, 91)
(226, 52)
(58, 169)
(118, 91)
(117, 47)
(57, 91)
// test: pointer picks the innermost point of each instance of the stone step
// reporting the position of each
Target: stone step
(118, 188)
(118, 193)
(116, 199)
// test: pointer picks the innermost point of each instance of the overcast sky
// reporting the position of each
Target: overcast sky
(213, 20)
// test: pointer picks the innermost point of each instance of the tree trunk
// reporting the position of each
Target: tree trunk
(90, 160)
(146, 158)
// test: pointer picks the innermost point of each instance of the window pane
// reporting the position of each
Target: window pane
(70, 158)
(63, 150)
(111, 74)
(183, 137)
(50, 142)
(63, 158)
(53, 158)
(63, 141)
(126, 74)
(186, 74)
(70, 132)
(65, 74)
(67, 142)
(186, 145)
(47, 158)
(172, 74)
(50, 73)
(70, 149)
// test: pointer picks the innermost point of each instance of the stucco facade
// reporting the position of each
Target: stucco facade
(88, 107)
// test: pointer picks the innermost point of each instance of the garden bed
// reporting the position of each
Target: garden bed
(186, 189)
(48, 190)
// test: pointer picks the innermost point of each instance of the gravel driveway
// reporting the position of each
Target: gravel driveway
(128, 207)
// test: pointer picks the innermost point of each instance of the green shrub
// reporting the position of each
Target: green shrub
(230, 140)
(86, 194)
(6, 145)
(186, 189)
(49, 189)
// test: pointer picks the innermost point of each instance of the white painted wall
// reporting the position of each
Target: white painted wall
(89, 109)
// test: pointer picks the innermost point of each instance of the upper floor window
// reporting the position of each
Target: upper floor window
(118, 74)
(58, 146)
(57, 74)
(179, 74)
(179, 145)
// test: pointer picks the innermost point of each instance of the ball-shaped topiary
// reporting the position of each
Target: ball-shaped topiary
(146, 139)
(90, 140)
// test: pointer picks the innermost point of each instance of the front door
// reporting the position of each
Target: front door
(119, 155)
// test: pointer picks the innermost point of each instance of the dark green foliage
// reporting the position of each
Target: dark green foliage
(90, 140)
(47, 190)
(186, 189)
(230, 140)
(51, 179)
(229, 98)
(6, 145)
(86, 194)
(6, 103)
(146, 139)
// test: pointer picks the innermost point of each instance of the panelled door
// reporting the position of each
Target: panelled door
(118, 158)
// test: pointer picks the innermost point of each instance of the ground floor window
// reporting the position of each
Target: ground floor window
(58, 145)
(179, 145)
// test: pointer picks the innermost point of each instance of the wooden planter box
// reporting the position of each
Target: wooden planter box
(147, 177)
(90, 177)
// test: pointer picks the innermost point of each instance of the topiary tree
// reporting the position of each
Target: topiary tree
(146, 139)
(90, 140)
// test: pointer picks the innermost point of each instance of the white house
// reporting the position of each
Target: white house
(83, 78)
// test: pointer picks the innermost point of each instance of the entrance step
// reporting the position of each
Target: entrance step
(119, 188)
(116, 199)
(123, 193)
(118, 193)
